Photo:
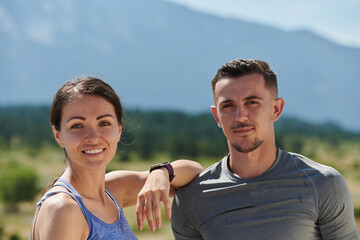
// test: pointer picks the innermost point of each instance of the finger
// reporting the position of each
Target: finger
(143, 215)
(140, 214)
(167, 206)
(157, 210)
(149, 214)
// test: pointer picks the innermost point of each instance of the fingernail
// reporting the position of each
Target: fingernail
(158, 225)
(153, 229)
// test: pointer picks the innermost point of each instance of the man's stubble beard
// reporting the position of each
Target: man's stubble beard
(255, 144)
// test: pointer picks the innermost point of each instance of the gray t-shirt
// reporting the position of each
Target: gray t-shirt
(296, 198)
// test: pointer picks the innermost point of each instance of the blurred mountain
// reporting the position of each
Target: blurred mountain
(161, 55)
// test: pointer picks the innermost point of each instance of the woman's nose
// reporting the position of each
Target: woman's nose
(92, 135)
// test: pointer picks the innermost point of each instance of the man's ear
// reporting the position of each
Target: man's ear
(277, 109)
(57, 136)
(215, 114)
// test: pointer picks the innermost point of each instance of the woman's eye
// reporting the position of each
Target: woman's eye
(104, 124)
(76, 126)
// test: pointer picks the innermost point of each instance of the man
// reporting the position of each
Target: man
(259, 191)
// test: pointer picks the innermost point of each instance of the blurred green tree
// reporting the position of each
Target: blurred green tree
(15, 236)
(18, 184)
(1, 232)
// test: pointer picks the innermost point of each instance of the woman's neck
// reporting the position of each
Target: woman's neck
(90, 185)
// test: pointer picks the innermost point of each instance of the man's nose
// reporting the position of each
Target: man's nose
(241, 114)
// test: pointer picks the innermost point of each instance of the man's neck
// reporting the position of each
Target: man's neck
(252, 164)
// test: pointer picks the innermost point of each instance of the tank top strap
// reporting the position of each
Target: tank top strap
(63, 183)
(113, 199)
(76, 196)
(49, 194)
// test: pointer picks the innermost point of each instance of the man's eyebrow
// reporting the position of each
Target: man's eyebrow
(105, 115)
(76, 117)
(226, 101)
(253, 97)
(246, 99)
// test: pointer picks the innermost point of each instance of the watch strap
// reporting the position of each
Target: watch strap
(168, 167)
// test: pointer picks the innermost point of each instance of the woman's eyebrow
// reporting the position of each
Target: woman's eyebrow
(83, 118)
(105, 115)
(76, 117)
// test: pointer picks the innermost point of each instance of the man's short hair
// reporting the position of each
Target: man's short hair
(241, 67)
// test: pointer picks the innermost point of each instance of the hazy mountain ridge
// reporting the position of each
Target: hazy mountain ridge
(160, 55)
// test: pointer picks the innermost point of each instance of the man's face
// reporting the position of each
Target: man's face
(246, 110)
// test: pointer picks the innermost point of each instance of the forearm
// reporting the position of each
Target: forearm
(185, 171)
(157, 189)
(126, 185)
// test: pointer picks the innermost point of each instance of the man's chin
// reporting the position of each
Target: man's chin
(246, 149)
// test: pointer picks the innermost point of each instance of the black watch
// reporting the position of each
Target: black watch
(167, 165)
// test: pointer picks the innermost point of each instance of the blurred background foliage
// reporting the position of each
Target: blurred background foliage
(180, 134)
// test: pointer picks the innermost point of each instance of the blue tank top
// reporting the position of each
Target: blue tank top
(98, 229)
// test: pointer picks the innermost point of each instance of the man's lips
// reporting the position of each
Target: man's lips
(242, 128)
(243, 131)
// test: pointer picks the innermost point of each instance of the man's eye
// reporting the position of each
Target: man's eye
(251, 102)
(226, 106)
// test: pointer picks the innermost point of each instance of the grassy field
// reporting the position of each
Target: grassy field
(49, 163)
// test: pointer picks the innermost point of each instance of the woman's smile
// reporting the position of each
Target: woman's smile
(94, 151)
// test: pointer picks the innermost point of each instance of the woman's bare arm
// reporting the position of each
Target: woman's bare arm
(148, 190)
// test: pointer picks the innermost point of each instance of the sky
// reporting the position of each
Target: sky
(336, 20)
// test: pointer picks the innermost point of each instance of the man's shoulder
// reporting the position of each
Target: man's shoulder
(317, 172)
(306, 164)
(212, 171)
(210, 174)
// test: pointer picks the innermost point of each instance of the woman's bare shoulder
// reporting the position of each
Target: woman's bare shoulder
(60, 203)
(60, 216)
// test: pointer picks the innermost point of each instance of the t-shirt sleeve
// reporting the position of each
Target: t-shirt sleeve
(182, 223)
(336, 212)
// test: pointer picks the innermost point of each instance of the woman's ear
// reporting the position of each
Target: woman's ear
(57, 136)
(120, 130)
(278, 108)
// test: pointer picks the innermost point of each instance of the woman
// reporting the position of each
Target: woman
(85, 203)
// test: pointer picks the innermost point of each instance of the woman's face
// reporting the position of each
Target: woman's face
(89, 132)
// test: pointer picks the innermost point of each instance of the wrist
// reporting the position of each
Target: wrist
(164, 165)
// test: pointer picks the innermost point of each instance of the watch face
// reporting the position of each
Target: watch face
(168, 167)
(158, 165)
(162, 164)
